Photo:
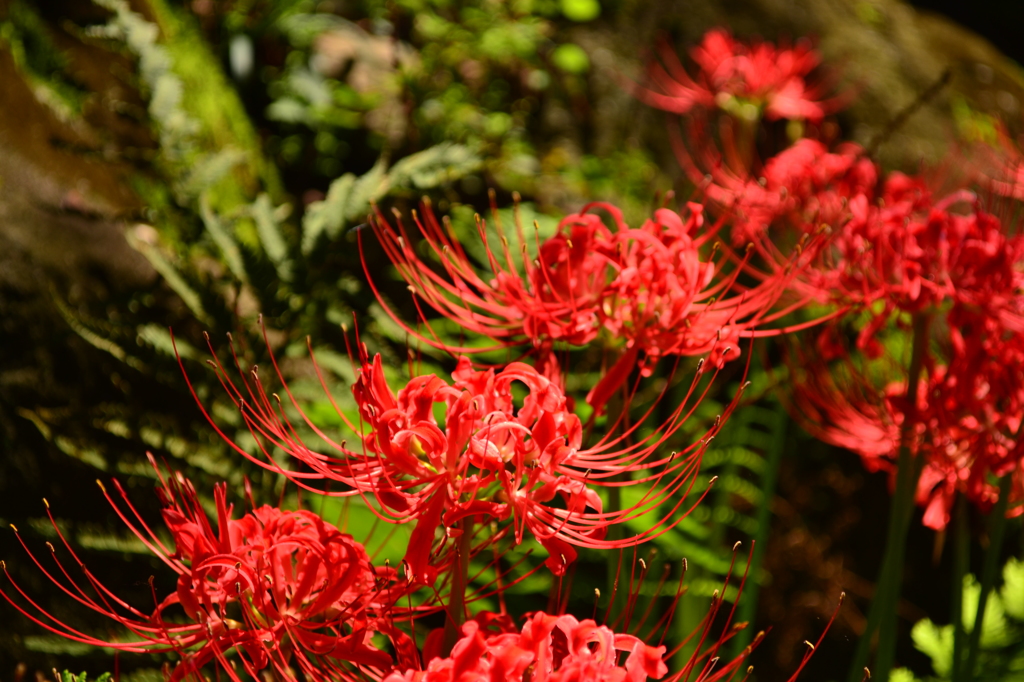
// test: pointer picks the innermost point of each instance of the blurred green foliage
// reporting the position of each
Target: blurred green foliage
(24, 34)
(396, 77)
(1002, 632)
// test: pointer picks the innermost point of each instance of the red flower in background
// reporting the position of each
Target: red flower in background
(663, 289)
(966, 421)
(557, 297)
(668, 300)
(750, 80)
(735, 86)
(283, 588)
(912, 254)
(891, 250)
(802, 189)
(979, 400)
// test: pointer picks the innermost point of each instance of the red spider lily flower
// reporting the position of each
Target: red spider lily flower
(909, 254)
(560, 647)
(748, 80)
(668, 300)
(548, 649)
(558, 297)
(978, 400)
(282, 588)
(490, 459)
(651, 291)
(801, 189)
(966, 421)
(902, 250)
(913, 254)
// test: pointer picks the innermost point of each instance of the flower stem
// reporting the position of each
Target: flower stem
(997, 529)
(882, 614)
(457, 594)
(961, 555)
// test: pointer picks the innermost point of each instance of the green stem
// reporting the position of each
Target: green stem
(961, 554)
(997, 529)
(886, 653)
(882, 613)
(457, 594)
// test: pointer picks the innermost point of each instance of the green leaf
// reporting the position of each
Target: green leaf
(902, 675)
(383, 541)
(366, 190)
(1013, 589)
(159, 338)
(168, 272)
(68, 676)
(327, 216)
(994, 631)
(128, 544)
(581, 10)
(434, 166)
(340, 365)
(289, 110)
(223, 239)
(739, 486)
(302, 29)
(349, 198)
(210, 169)
(269, 230)
(143, 675)
(571, 58)
(94, 339)
(54, 644)
(535, 226)
(935, 642)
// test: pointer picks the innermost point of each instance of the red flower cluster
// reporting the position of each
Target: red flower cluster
(803, 188)
(979, 401)
(893, 255)
(489, 459)
(966, 421)
(894, 251)
(649, 289)
(947, 406)
(283, 589)
(549, 648)
(749, 80)
(558, 299)
(962, 448)
(561, 648)
(911, 252)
